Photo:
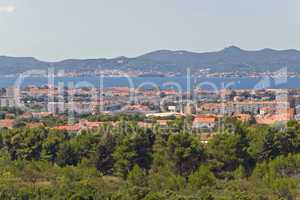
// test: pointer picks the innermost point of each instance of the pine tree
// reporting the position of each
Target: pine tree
(137, 177)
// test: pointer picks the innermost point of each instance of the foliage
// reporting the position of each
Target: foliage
(202, 177)
(246, 161)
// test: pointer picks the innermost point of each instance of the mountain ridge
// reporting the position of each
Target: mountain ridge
(229, 59)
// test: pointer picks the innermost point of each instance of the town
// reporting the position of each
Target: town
(30, 105)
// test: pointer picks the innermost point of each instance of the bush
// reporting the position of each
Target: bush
(201, 177)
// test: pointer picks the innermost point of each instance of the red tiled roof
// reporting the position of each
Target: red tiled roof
(243, 117)
(42, 114)
(71, 128)
(90, 125)
(163, 122)
(271, 119)
(34, 125)
(7, 123)
(205, 119)
(170, 92)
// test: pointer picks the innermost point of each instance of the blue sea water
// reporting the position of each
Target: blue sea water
(180, 83)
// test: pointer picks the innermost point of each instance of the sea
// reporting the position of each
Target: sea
(180, 83)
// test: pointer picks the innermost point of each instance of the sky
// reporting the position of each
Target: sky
(59, 29)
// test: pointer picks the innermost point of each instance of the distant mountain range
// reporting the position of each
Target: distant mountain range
(229, 59)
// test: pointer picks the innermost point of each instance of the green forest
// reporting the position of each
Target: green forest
(126, 162)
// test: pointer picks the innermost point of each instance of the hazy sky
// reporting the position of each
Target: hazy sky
(58, 29)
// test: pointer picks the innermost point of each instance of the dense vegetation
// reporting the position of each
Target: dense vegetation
(126, 162)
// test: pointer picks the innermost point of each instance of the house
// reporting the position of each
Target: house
(242, 107)
(166, 114)
(85, 124)
(243, 117)
(82, 125)
(136, 108)
(163, 123)
(26, 115)
(170, 92)
(7, 123)
(145, 125)
(266, 110)
(272, 119)
(207, 122)
(41, 114)
(69, 128)
(34, 125)
(121, 91)
(172, 108)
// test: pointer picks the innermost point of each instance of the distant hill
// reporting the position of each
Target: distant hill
(227, 60)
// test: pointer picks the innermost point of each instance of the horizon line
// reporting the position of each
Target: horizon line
(153, 51)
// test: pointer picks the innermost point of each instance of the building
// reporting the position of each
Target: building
(254, 107)
(270, 119)
(206, 122)
(243, 117)
(85, 124)
(34, 125)
(7, 123)
(39, 115)
(166, 114)
(69, 128)
(163, 123)
(82, 125)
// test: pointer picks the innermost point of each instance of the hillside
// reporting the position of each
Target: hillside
(227, 60)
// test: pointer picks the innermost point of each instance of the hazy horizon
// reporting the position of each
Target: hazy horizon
(134, 56)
